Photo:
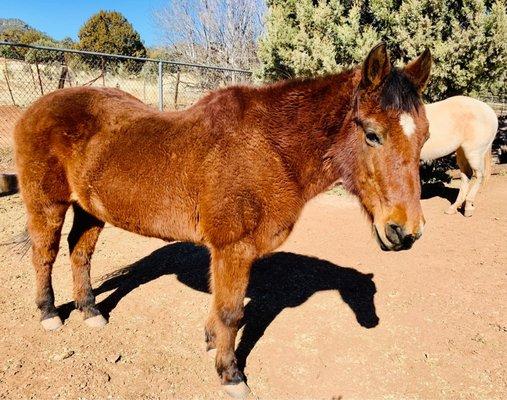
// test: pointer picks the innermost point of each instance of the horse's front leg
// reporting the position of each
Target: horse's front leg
(230, 271)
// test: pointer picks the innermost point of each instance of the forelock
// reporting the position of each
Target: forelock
(399, 93)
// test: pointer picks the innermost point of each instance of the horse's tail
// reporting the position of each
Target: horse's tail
(492, 119)
(488, 164)
(19, 244)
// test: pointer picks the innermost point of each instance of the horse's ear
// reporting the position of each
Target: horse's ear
(376, 66)
(418, 70)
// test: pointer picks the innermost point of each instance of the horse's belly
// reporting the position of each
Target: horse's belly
(437, 147)
(143, 215)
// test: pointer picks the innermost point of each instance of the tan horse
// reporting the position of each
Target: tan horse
(468, 127)
(233, 172)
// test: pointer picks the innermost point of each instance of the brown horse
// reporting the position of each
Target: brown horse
(232, 172)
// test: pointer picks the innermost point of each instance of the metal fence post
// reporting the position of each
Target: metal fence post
(160, 87)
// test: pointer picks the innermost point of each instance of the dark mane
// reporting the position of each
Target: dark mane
(399, 93)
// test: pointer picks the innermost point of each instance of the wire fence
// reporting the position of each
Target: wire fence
(28, 72)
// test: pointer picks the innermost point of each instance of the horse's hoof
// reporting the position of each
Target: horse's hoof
(451, 210)
(212, 353)
(237, 391)
(98, 321)
(52, 324)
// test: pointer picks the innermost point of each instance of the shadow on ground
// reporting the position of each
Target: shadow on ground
(439, 189)
(278, 281)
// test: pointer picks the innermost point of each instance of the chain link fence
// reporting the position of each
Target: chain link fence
(28, 72)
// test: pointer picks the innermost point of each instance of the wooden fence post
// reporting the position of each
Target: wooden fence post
(103, 66)
(63, 76)
(176, 88)
(6, 74)
(38, 75)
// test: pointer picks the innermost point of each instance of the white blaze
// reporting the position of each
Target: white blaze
(407, 124)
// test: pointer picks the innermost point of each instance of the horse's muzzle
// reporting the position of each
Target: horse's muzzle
(395, 238)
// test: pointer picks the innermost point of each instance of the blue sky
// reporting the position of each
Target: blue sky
(64, 18)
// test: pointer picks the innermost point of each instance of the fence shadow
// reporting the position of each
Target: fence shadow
(278, 281)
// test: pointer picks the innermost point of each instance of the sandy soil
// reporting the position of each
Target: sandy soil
(430, 323)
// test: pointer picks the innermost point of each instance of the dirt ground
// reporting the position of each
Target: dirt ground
(330, 316)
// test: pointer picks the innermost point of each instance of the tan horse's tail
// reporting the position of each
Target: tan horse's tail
(8, 183)
(488, 164)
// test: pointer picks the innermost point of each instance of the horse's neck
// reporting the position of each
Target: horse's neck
(306, 119)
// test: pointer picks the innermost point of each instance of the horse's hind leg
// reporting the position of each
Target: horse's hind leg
(82, 239)
(45, 220)
(465, 172)
(45, 227)
(45, 193)
(476, 161)
(230, 271)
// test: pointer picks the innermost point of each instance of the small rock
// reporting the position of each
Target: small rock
(64, 355)
(103, 377)
(113, 358)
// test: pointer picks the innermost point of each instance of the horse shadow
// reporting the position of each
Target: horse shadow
(439, 189)
(277, 281)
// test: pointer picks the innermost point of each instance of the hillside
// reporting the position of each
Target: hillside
(9, 23)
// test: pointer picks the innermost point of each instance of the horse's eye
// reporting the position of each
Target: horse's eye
(372, 139)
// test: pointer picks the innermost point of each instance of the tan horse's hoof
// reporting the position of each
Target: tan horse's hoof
(98, 321)
(238, 391)
(451, 210)
(52, 324)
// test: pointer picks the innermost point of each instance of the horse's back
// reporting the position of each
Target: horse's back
(458, 121)
(74, 111)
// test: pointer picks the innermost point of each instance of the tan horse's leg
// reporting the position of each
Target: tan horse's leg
(45, 225)
(82, 239)
(465, 172)
(230, 271)
(476, 161)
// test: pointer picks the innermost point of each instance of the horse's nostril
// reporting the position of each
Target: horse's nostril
(394, 233)
(408, 241)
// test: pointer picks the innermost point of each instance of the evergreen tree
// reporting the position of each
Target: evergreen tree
(20, 35)
(110, 32)
(467, 38)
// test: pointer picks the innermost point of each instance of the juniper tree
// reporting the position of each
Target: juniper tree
(468, 39)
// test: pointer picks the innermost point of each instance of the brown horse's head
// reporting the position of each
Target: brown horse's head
(386, 131)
